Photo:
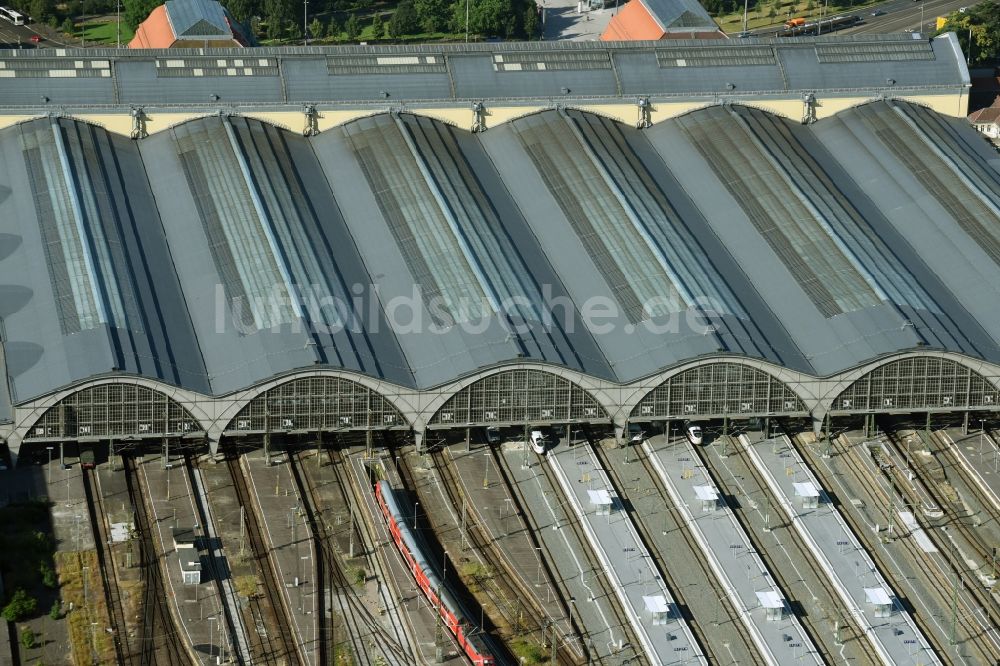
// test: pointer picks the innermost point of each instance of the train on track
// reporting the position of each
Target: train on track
(800, 27)
(441, 599)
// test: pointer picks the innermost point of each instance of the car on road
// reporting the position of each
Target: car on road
(878, 12)
(36, 39)
(745, 34)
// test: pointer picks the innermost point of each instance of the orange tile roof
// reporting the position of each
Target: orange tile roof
(155, 32)
(632, 22)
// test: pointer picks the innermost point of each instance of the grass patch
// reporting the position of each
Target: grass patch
(85, 640)
(104, 33)
(529, 652)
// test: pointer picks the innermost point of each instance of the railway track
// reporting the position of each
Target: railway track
(782, 576)
(471, 606)
(405, 654)
(279, 645)
(692, 553)
(109, 576)
(943, 586)
(954, 520)
(573, 521)
(333, 583)
(158, 635)
(511, 581)
(984, 498)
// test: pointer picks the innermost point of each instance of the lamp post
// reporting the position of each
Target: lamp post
(49, 468)
(305, 22)
(982, 433)
(415, 505)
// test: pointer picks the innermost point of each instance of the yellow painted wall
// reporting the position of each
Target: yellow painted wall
(121, 123)
(8, 121)
(329, 119)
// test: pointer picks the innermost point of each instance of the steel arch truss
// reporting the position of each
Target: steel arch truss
(519, 396)
(114, 411)
(317, 404)
(717, 390)
(918, 384)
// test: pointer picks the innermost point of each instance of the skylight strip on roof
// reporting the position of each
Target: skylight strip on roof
(629, 267)
(82, 237)
(425, 237)
(823, 272)
(263, 219)
(503, 268)
(448, 216)
(820, 220)
(630, 212)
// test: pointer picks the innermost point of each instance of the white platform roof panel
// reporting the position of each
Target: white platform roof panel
(656, 604)
(771, 599)
(706, 493)
(599, 497)
(878, 596)
(806, 489)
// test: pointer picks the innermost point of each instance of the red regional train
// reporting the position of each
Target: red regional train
(440, 598)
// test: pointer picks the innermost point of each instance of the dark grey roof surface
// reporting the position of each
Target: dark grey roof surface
(224, 251)
(454, 74)
(198, 19)
(679, 14)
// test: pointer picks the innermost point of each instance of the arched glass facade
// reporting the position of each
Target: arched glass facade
(317, 403)
(519, 396)
(114, 411)
(715, 390)
(920, 383)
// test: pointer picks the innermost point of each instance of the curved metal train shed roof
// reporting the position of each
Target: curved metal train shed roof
(818, 247)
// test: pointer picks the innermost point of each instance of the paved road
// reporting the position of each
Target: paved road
(904, 15)
(898, 16)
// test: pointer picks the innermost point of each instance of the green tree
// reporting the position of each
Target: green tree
(56, 611)
(135, 12)
(432, 14)
(404, 20)
(67, 26)
(20, 607)
(293, 30)
(353, 28)
(242, 10)
(333, 29)
(41, 10)
(316, 29)
(27, 638)
(378, 26)
(48, 575)
(531, 22)
(982, 23)
(492, 18)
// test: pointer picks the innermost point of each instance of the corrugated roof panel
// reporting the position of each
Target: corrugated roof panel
(812, 254)
(253, 278)
(629, 265)
(395, 63)
(443, 269)
(708, 56)
(875, 52)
